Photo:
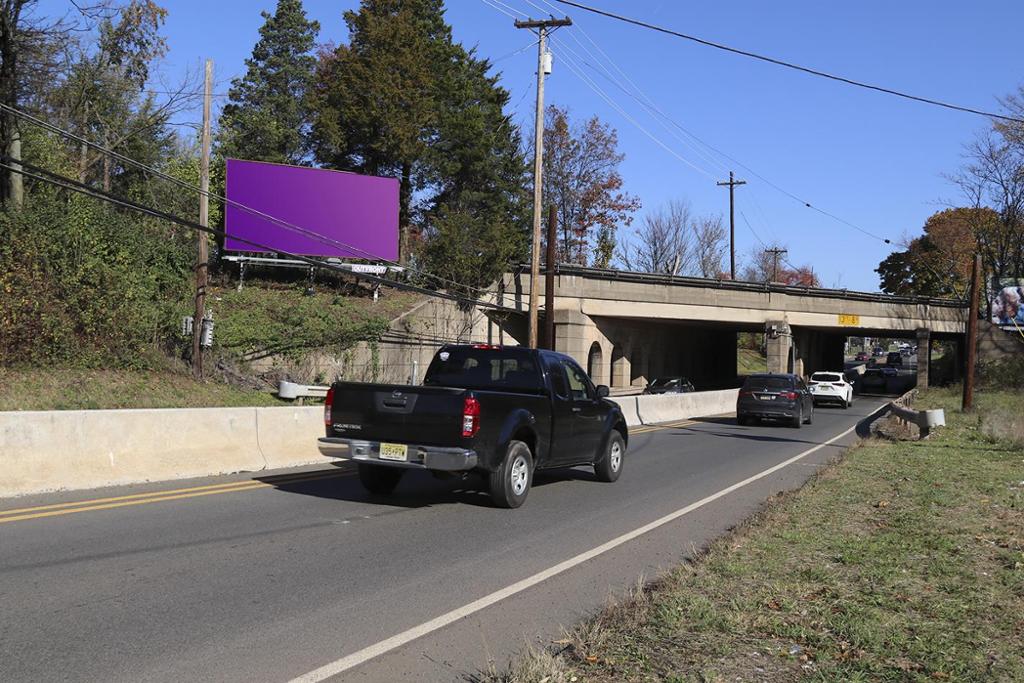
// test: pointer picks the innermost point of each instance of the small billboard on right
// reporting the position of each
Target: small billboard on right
(1008, 303)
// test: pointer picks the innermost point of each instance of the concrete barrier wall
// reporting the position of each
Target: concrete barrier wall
(671, 407)
(287, 436)
(79, 449)
(628, 404)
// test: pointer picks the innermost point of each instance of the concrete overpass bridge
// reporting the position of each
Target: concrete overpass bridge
(628, 327)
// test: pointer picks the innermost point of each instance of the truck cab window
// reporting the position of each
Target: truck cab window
(558, 383)
(579, 385)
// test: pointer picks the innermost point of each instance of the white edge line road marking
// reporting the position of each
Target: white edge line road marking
(367, 653)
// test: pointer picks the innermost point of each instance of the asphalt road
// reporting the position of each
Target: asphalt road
(242, 579)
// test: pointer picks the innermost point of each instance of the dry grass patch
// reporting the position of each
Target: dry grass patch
(902, 562)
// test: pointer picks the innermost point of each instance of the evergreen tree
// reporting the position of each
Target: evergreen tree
(267, 116)
(402, 99)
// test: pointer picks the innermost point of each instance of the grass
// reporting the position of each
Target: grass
(902, 562)
(78, 389)
(749, 361)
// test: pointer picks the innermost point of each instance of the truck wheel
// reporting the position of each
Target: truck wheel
(379, 480)
(510, 483)
(609, 467)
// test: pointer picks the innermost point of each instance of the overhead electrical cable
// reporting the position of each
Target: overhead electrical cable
(788, 65)
(323, 239)
(614, 105)
(30, 170)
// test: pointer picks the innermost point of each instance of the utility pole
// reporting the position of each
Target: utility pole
(542, 27)
(776, 252)
(972, 335)
(204, 220)
(732, 183)
(549, 280)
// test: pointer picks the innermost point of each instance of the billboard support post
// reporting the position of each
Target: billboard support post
(972, 336)
(204, 220)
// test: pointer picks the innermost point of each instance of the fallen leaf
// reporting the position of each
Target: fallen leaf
(592, 659)
(882, 504)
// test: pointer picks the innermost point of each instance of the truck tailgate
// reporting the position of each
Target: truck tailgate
(397, 412)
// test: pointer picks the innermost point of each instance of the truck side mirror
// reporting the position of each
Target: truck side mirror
(602, 391)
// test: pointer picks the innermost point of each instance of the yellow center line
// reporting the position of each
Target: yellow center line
(157, 497)
(657, 428)
(284, 478)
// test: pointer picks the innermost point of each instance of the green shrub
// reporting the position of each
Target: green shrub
(261, 322)
(84, 284)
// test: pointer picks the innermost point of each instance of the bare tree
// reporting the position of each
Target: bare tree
(664, 243)
(709, 245)
(582, 180)
(994, 178)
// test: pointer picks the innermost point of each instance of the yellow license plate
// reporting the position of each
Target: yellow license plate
(394, 451)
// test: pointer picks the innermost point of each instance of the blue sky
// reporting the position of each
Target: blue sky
(871, 159)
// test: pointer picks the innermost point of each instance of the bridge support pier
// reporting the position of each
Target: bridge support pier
(924, 360)
(779, 340)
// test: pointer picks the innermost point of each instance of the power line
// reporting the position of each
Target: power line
(652, 108)
(614, 105)
(492, 5)
(603, 71)
(323, 239)
(643, 98)
(788, 65)
(30, 170)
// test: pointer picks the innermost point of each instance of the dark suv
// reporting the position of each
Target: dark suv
(894, 358)
(777, 397)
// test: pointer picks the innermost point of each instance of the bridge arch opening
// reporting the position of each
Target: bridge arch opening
(595, 358)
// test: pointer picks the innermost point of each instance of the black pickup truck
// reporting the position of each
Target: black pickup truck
(499, 411)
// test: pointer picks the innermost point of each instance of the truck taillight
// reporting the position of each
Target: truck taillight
(327, 406)
(470, 417)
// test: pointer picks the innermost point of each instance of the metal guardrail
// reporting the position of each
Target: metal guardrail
(291, 390)
(925, 420)
(686, 281)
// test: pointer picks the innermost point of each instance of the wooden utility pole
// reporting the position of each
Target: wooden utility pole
(204, 220)
(538, 160)
(972, 335)
(776, 252)
(732, 183)
(549, 280)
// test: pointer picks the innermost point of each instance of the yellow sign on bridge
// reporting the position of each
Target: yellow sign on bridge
(848, 320)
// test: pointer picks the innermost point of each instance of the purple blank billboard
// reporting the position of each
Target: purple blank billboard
(357, 211)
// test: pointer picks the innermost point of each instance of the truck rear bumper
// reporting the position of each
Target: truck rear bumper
(418, 457)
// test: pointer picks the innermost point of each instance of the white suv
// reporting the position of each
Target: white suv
(831, 387)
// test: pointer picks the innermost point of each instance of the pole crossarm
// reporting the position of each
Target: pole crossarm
(543, 23)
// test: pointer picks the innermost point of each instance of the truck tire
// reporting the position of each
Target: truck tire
(510, 483)
(379, 480)
(609, 467)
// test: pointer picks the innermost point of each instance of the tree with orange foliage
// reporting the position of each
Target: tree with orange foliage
(938, 263)
(581, 178)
